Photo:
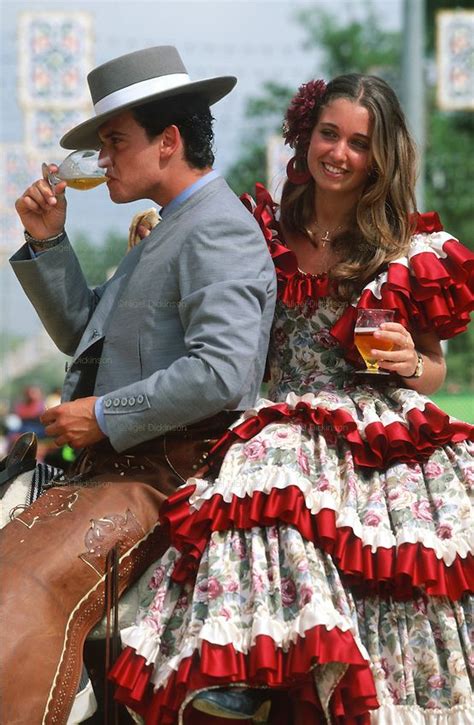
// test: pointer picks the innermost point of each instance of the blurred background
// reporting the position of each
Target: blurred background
(424, 48)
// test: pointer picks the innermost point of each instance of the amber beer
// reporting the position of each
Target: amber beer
(85, 183)
(365, 342)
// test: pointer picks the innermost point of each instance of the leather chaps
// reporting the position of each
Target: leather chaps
(53, 562)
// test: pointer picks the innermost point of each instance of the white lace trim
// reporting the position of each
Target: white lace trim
(413, 715)
(220, 631)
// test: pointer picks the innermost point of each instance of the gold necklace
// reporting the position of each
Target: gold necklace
(325, 236)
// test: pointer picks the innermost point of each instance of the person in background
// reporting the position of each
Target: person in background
(321, 570)
(30, 409)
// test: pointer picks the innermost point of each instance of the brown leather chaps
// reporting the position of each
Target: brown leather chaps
(53, 562)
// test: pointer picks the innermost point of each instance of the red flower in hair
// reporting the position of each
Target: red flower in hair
(299, 119)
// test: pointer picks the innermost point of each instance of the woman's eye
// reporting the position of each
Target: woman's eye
(361, 145)
(327, 134)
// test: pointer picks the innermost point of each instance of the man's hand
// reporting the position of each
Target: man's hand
(73, 423)
(43, 211)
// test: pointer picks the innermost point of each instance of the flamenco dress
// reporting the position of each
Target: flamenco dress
(329, 556)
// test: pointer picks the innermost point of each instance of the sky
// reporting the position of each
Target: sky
(255, 40)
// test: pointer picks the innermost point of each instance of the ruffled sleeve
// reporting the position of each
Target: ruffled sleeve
(294, 286)
(432, 288)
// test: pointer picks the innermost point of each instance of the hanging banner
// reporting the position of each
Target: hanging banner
(455, 59)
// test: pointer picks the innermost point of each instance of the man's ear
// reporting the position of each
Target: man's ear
(170, 141)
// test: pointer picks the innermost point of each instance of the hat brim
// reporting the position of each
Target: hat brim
(85, 135)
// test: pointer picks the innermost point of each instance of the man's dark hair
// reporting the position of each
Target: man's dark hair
(191, 114)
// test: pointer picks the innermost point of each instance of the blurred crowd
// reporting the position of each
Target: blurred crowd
(23, 415)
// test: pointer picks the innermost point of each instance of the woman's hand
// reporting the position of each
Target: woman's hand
(403, 358)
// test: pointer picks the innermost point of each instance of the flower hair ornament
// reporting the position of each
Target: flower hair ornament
(298, 126)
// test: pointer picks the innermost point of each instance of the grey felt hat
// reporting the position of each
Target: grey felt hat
(136, 78)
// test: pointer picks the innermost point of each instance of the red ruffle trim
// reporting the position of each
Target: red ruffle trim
(433, 295)
(218, 665)
(387, 571)
(294, 286)
(426, 431)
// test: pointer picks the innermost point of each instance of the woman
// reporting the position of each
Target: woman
(325, 561)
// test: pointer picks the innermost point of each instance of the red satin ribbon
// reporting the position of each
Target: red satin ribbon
(351, 701)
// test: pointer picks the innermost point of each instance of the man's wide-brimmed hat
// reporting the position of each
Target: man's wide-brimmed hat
(136, 78)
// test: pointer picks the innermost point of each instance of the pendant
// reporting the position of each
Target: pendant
(325, 238)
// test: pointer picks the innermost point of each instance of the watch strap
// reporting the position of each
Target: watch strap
(418, 370)
(43, 244)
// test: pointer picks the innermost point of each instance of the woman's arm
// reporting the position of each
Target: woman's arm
(403, 359)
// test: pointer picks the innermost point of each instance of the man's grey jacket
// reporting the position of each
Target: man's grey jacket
(179, 333)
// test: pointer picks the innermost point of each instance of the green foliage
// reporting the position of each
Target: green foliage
(449, 170)
(97, 262)
(459, 359)
(460, 405)
(270, 107)
(250, 168)
(357, 46)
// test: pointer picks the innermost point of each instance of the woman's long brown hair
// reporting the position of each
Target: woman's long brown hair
(382, 227)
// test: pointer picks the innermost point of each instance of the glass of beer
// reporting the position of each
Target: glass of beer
(368, 321)
(80, 170)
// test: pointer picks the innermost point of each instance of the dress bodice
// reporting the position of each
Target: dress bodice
(303, 356)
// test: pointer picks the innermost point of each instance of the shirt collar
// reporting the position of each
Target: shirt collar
(186, 193)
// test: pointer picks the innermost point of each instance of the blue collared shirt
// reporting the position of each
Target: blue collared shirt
(164, 212)
(186, 193)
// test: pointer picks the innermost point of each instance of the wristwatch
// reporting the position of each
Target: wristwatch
(44, 244)
(419, 368)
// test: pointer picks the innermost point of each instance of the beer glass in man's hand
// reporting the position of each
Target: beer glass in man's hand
(368, 321)
(80, 170)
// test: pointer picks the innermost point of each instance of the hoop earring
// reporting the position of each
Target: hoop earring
(297, 177)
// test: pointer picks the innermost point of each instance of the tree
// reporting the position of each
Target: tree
(449, 153)
(357, 46)
(97, 262)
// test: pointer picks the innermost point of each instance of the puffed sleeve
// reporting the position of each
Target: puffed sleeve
(431, 288)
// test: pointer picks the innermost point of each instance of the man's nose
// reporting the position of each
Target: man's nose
(104, 160)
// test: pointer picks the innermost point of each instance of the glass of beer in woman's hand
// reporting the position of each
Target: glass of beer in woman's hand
(368, 321)
(80, 170)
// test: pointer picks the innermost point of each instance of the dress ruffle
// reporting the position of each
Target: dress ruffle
(374, 444)
(395, 571)
(353, 696)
